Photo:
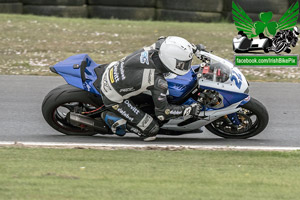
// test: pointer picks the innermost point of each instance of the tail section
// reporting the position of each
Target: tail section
(78, 70)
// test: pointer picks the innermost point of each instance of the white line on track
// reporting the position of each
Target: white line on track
(145, 146)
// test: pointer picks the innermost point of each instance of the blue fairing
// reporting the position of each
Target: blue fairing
(181, 85)
(178, 86)
(73, 76)
(229, 97)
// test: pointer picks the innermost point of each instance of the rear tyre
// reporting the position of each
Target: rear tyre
(64, 99)
(254, 118)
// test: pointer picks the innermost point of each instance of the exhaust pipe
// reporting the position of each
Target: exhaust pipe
(99, 125)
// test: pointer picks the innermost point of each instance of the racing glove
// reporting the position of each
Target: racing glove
(193, 110)
(201, 47)
(198, 47)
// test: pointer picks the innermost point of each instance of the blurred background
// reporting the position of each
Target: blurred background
(35, 34)
(177, 10)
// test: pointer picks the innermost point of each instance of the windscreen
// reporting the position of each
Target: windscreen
(215, 71)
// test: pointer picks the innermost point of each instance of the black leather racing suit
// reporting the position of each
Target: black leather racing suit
(132, 75)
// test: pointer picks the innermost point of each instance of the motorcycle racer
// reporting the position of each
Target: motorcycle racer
(285, 38)
(140, 71)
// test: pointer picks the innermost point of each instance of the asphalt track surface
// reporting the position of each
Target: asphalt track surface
(21, 118)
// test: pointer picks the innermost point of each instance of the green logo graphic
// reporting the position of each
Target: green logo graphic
(262, 60)
(244, 23)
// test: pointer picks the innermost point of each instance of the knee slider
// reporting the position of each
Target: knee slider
(148, 126)
(152, 129)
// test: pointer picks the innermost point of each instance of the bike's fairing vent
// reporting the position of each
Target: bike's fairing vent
(179, 86)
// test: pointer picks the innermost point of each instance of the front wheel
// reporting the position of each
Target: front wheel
(253, 119)
(280, 46)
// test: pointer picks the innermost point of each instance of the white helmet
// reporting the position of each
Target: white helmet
(176, 54)
(295, 31)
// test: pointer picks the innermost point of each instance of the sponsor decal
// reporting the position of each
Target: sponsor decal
(194, 91)
(175, 112)
(133, 108)
(86, 86)
(144, 58)
(115, 106)
(187, 111)
(111, 76)
(145, 122)
(131, 89)
(167, 111)
(237, 78)
(125, 114)
(135, 130)
(116, 74)
(123, 77)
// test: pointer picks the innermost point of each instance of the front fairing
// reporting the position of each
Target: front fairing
(220, 74)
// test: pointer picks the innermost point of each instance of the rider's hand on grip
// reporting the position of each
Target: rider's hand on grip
(193, 110)
(197, 48)
(201, 47)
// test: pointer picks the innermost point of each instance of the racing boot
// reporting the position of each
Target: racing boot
(115, 123)
(150, 134)
(146, 138)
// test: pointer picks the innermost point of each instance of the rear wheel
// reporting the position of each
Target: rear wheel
(65, 99)
(253, 119)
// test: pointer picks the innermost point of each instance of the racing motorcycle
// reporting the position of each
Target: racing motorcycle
(228, 111)
(282, 43)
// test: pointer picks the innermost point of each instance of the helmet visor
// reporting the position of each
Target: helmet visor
(183, 65)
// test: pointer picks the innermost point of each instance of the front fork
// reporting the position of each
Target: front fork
(233, 118)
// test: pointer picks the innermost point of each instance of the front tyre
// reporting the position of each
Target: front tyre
(254, 118)
(65, 99)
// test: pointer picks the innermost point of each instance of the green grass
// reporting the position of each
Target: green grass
(30, 44)
(131, 174)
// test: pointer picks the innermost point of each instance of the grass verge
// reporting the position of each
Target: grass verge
(30, 44)
(29, 173)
